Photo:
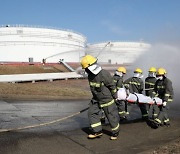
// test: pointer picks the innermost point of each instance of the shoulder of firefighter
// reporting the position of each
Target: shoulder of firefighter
(149, 85)
(136, 83)
(127, 83)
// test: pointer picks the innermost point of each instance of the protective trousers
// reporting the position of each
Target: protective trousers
(153, 111)
(144, 112)
(111, 113)
(163, 117)
(122, 108)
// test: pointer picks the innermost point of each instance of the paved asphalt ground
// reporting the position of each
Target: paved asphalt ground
(70, 136)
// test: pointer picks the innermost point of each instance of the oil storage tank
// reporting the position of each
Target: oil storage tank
(116, 52)
(19, 43)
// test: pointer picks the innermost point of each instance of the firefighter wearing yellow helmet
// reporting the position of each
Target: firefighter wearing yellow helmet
(118, 80)
(150, 81)
(149, 88)
(104, 94)
(87, 61)
(135, 84)
(164, 90)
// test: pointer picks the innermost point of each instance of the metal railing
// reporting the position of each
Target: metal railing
(38, 26)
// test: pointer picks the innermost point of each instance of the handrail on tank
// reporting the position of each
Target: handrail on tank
(120, 41)
(38, 26)
(126, 44)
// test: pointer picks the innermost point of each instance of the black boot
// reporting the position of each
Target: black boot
(114, 136)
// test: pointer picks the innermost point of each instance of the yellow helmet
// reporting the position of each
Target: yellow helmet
(138, 70)
(152, 69)
(122, 69)
(87, 61)
(161, 71)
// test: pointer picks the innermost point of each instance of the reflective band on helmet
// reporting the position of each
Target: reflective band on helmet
(159, 121)
(115, 127)
(107, 104)
(96, 125)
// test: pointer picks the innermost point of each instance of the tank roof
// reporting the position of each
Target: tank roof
(42, 27)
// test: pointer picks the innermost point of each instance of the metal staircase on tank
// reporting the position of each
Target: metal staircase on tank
(66, 65)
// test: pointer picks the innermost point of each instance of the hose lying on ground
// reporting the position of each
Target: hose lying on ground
(42, 124)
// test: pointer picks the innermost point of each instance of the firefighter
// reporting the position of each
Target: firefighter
(149, 88)
(135, 84)
(121, 104)
(163, 90)
(104, 94)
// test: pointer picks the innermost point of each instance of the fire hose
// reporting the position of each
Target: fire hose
(43, 124)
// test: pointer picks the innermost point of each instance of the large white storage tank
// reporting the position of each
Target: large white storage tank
(117, 52)
(20, 43)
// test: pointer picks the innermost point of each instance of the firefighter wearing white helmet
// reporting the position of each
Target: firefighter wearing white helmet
(164, 90)
(149, 88)
(135, 84)
(118, 80)
(104, 94)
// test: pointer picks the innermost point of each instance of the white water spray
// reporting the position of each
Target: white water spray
(166, 56)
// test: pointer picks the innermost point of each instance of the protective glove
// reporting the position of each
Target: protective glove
(164, 104)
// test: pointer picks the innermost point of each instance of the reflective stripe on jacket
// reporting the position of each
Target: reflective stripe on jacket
(149, 86)
(164, 89)
(134, 84)
(102, 86)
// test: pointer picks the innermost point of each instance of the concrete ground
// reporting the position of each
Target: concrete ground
(70, 135)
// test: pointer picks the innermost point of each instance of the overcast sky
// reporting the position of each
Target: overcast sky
(100, 20)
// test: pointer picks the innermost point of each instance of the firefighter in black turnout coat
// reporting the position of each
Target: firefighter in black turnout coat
(135, 85)
(164, 90)
(104, 94)
(149, 89)
(121, 104)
